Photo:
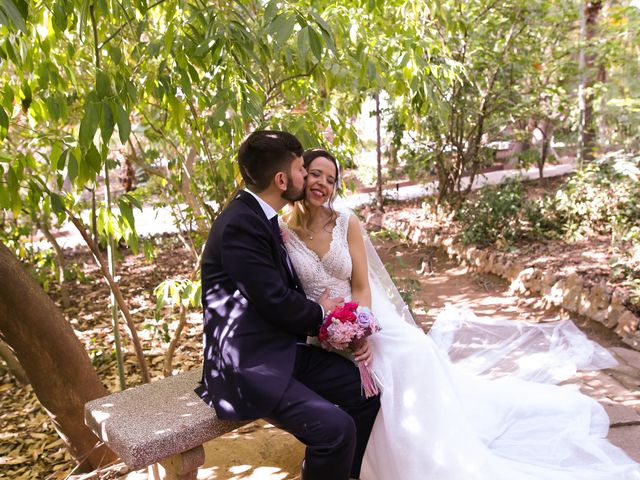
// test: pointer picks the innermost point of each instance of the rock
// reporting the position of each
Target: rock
(481, 259)
(547, 280)
(534, 282)
(556, 294)
(376, 220)
(615, 309)
(627, 324)
(470, 254)
(499, 265)
(595, 303)
(521, 282)
(513, 270)
(416, 235)
(447, 241)
(572, 292)
(633, 340)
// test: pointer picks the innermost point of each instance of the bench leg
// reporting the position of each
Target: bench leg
(184, 466)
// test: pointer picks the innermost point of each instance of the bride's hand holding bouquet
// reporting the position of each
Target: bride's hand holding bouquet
(346, 328)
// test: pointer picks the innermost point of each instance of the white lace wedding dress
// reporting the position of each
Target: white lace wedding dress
(474, 398)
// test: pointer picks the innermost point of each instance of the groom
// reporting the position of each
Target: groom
(257, 318)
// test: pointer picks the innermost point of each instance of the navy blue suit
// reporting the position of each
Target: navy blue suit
(256, 365)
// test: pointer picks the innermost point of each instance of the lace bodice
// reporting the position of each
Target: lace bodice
(332, 271)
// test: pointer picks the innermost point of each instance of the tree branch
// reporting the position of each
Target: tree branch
(121, 27)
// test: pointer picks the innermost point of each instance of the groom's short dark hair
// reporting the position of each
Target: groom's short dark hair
(265, 153)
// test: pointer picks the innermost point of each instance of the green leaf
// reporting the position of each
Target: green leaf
(303, 45)
(93, 158)
(270, 10)
(54, 157)
(72, 165)
(62, 160)
(53, 107)
(7, 96)
(316, 43)
(107, 123)
(185, 82)
(124, 125)
(84, 13)
(282, 26)
(4, 124)
(371, 70)
(103, 84)
(60, 19)
(56, 204)
(27, 96)
(88, 125)
(193, 73)
(14, 12)
(14, 185)
(115, 54)
(127, 213)
(5, 199)
(148, 249)
(132, 200)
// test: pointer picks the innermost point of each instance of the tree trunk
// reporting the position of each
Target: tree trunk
(379, 199)
(546, 128)
(592, 12)
(53, 358)
(128, 175)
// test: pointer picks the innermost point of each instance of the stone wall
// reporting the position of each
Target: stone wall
(599, 302)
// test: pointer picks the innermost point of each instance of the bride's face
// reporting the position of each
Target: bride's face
(321, 181)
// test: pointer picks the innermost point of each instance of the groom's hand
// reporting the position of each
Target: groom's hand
(364, 354)
(327, 303)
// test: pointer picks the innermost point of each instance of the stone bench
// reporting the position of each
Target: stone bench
(160, 422)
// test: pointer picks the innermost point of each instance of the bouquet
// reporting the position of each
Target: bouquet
(345, 328)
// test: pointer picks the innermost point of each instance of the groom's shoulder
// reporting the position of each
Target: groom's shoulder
(239, 205)
(239, 210)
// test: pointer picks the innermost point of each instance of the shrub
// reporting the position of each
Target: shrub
(494, 215)
(602, 198)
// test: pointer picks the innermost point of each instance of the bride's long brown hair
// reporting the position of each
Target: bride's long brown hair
(299, 216)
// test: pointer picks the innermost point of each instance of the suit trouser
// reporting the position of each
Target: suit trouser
(335, 437)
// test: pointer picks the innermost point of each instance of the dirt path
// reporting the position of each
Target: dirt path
(428, 280)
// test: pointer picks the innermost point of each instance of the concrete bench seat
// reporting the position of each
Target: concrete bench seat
(160, 422)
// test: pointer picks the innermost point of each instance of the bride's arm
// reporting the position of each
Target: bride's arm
(360, 290)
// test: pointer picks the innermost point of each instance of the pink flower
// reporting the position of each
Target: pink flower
(284, 233)
(344, 328)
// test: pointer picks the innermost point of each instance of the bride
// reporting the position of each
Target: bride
(473, 399)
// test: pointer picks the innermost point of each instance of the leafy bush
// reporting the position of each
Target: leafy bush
(603, 198)
(494, 215)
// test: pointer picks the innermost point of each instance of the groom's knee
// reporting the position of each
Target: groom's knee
(339, 429)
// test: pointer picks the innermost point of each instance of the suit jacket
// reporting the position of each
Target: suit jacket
(255, 311)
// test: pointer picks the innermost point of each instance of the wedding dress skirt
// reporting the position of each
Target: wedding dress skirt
(490, 411)
(475, 399)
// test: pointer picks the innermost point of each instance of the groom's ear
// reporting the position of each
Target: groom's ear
(280, 180)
